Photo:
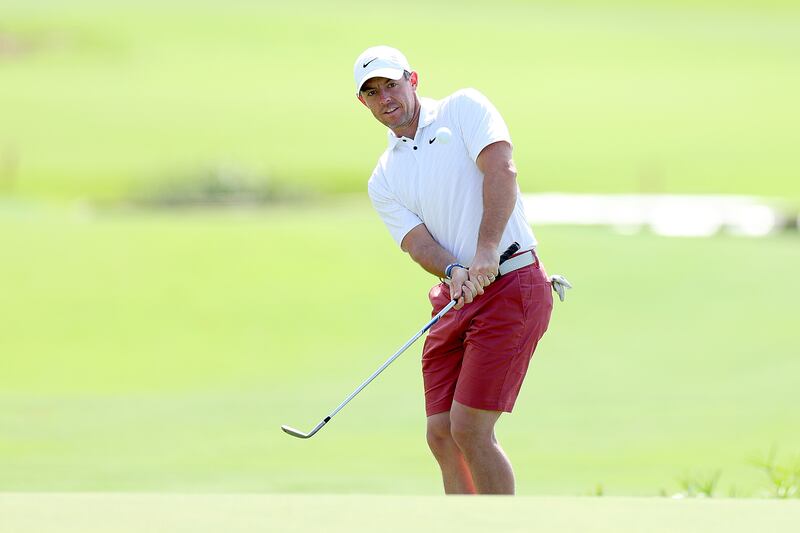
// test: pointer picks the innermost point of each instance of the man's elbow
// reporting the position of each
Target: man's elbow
(405, 244)
(505, 172)
(511, 171)
(411, 239)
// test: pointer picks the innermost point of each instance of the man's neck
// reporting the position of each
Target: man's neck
(410, 128)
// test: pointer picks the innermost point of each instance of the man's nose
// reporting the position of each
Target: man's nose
(383, 95)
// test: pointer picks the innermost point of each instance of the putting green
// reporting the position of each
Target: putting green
(234, 513)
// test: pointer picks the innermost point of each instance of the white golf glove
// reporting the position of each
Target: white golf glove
(560, 284)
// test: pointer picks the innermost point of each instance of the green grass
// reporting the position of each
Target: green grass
(94, 513)
(162, 351)
(664, 96)
(155, 352)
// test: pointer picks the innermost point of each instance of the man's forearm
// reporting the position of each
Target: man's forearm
(425, 251)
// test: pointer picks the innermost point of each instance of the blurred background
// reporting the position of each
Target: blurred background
(188, 258)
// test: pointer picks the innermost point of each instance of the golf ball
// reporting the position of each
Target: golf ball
(443, 135)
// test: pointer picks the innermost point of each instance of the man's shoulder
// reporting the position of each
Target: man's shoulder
(467, 95)
(465, 104)
(432, 105)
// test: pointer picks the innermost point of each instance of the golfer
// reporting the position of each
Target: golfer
(446, 189)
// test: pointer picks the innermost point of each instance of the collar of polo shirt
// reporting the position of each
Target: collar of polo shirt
(427, 114)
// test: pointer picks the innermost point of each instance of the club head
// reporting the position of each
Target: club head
(294, 433)
(300, 435)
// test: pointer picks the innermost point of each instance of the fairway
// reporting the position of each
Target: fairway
(153, 352)
(232, 513)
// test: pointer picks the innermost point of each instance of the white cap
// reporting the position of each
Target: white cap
(379, 62)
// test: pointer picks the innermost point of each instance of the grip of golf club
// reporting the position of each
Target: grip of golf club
(505, 256)
(511, 250)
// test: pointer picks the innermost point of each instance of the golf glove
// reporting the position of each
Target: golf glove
(560, 285)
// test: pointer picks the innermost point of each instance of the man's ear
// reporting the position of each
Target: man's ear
(361, 99)
(414, 79)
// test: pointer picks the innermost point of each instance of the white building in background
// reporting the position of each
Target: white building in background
(667, 214)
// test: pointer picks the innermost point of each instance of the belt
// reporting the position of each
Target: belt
(557, 282)
(518, 261)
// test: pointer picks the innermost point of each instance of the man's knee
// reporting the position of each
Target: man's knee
(467, 436)
(470, 432)
(439, 439)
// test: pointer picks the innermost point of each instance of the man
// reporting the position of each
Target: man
(446, 189)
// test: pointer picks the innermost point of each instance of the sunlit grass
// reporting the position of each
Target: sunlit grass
(163, 351)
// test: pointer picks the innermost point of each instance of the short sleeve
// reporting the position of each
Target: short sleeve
(481, 123)
(398, 219)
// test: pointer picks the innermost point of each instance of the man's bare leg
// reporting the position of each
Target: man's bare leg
(455, 472)
(473, 432)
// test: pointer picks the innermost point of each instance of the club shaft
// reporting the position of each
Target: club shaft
(397, 354)
(511, 250)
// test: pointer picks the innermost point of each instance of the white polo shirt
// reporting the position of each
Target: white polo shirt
(422, 181)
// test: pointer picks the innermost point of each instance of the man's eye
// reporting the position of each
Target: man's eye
(370, 93)
(392, 85)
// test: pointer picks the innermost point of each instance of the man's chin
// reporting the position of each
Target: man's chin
(391, 124)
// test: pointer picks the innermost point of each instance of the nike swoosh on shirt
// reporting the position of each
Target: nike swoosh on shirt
(368, 62)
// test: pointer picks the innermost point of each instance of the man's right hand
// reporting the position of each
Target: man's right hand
(461, 288)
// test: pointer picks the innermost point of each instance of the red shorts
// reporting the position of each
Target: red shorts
(479, 354)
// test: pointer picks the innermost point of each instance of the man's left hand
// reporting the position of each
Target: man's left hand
(484, 267)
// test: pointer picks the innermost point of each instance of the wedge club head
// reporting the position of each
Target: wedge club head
(299, 434)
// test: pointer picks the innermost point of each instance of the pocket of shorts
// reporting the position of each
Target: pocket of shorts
(525, 285)
(541, 303)
(534, 292)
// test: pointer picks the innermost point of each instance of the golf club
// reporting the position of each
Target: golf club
(300, 435)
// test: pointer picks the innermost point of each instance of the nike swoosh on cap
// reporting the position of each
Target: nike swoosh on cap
(430, 141)
(368, 62)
